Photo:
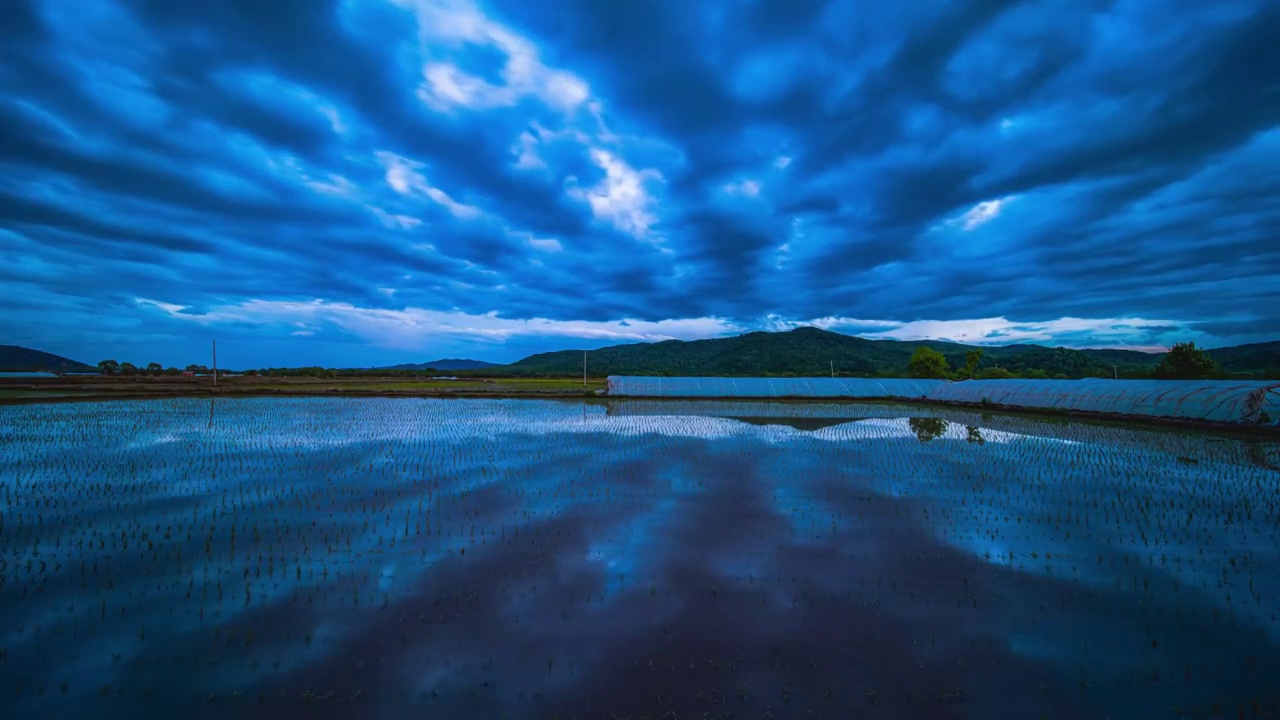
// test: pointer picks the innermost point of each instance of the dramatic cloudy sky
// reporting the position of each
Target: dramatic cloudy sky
(358, 182)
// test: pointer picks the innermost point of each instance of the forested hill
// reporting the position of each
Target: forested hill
(810, 352)
(1261, 358)
(444, 364)
(19, 359)
(801, 352)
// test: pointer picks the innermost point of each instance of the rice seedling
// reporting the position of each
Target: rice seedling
(491, 558)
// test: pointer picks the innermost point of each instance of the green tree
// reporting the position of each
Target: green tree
(927, 363)
(109, 367)
(1185, 361)
(154, 368)
(128, 368)
(971, 360)
(172, 371)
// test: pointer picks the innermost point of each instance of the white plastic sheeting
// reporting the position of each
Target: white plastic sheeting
(722, 387)
(1240, 401)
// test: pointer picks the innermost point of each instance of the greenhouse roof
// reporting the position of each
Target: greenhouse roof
(722, 387)
(1239, 401)
(1214, 400)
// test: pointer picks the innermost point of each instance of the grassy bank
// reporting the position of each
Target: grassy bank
(97, 388)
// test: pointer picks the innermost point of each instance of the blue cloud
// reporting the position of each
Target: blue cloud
(386, 180)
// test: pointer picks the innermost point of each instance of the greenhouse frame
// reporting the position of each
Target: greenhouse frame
(1233, 401)
(1229, 401)
(754, 387)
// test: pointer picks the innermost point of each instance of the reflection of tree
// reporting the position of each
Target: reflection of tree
(1258, 456)
(975, 434)
(927, 429)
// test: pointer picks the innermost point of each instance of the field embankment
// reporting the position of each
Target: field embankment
(105, 388)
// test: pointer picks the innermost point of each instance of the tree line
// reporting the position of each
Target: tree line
(113, 367)
(127, 369)
(1184, 361)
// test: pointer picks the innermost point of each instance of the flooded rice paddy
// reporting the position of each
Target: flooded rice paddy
(386, 558)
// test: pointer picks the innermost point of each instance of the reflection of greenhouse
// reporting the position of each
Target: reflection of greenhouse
(1203, 449)
(1237, 401)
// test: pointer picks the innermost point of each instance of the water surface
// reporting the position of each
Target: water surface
(385, 558)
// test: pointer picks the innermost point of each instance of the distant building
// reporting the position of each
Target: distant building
(188, 373)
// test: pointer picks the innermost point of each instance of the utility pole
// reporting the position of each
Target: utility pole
(1116, 371)
(584, 368)
(215, 363)
(833, 367)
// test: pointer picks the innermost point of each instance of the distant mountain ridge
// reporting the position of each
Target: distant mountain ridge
(809, 351)
(805, 351)
(443, 364)
(14, 358)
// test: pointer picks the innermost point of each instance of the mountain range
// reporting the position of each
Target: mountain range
(443, 364)
(14, 358)
(805, 351)
(809, 351)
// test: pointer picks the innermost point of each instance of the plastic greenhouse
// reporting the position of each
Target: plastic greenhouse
(1236, 401)
(723, 387)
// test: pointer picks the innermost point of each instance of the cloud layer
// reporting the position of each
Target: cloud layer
(374, 181)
